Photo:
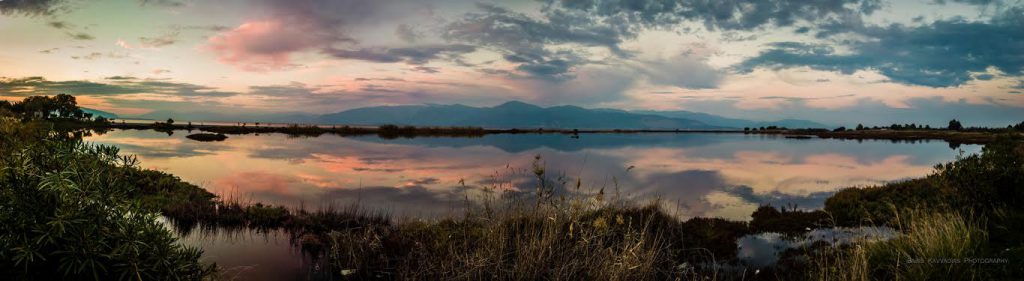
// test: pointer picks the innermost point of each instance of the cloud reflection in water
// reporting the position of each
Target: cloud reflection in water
(722, 175)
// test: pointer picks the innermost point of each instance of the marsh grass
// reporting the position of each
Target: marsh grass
(934, 246)
(521, 242)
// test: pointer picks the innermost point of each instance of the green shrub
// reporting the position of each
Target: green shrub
(67, 213)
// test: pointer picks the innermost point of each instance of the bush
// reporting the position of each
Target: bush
(67, 213)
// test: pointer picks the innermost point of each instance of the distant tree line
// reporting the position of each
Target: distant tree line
(952, 125)
(62, 107)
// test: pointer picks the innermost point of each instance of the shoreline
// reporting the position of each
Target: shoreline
(970, 136)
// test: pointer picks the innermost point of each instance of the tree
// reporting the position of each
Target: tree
(6, 106)
(170, 121)
(41, 106)
(1019, 126)
(955, 125)
(840, 129)
(860, 127)
(67, 107)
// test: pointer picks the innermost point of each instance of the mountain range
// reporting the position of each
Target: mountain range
(513, 114)
(99, 113)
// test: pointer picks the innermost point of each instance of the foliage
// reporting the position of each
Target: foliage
(935, 246)
(981, 182)
(60, 106)
(983, 189)
(68, 213)
(955, 125)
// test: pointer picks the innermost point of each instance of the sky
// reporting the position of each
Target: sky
(833, 61)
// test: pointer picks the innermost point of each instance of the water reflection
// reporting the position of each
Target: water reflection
(718, 175)
(764, 249)
(721, 175)
(248, 254)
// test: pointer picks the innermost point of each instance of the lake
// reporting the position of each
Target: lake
(693, 174)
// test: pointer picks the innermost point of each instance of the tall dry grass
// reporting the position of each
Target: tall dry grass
(569, 241)
(933, 246)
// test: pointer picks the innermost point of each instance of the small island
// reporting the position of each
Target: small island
(207, 137)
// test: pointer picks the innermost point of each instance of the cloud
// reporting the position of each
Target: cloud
(407, 33)
(262, 45)
(412, 55)
(117, 85)
(720, 14)
(70, 30)
(426, 69)
(971, 2)
(30, 7)
(164, 3)
(524, 40)
(292, 26)
(590, 85)
(90, 56)
(683, 71)
(944, 53)
(159, 41)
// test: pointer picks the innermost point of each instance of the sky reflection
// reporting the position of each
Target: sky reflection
(721, 175)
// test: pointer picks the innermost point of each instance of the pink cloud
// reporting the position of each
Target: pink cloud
(262, 45)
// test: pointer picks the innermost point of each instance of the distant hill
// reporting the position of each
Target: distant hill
(716, 120)
(511, 114)
(97, 113)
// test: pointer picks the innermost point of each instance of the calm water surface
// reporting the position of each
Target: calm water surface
(719, 175)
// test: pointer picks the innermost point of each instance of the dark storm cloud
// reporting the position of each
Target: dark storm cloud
(411, 55)
(525, 40)
(971, 2)
(720, 14)
(941, 54)
(30, 7)
(119, 85)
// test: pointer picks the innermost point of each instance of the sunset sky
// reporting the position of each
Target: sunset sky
(833, 61)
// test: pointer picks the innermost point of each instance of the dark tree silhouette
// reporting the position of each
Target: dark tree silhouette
(955, 125)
